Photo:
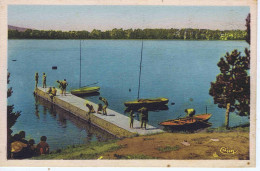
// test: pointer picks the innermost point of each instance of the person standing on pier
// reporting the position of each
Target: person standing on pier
(64, 86)
(44, 81)
(144, 116)
(131, 116)
(105, 106)
(36, 79)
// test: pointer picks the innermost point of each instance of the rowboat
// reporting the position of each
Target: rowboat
(205, 117)
(196, 122)
(147, 102)
(85, 90)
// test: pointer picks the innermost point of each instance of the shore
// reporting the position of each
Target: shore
(216, 145)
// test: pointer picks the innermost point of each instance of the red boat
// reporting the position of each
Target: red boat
(196, 121)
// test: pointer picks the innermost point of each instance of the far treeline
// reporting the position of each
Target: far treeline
(181, 34)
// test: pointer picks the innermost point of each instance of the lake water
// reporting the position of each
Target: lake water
(178, 70)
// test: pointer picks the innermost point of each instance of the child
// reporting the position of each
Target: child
(100, 108)
(43, 147)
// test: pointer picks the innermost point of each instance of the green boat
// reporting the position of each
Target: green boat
(147, 102)
(85, 90)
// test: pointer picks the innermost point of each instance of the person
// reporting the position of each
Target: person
(22, 137)
(99, 108)
(18, 148)
(43, 147)
(105, 106)
(49, 90)
(64, 86)
(44, 81)
(144, 116)
(131, 116)
(190, 112)
(31, 149)
(53, 92)
(36, 79)
(60, 86)
(90, 108)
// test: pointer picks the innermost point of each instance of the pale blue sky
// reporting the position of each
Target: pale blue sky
(108, 17)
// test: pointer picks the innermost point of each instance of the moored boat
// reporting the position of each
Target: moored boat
(85, 90)
(147, 102)
(196, 121)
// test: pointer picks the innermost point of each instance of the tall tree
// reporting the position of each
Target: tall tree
(11, 118)
(231, 90)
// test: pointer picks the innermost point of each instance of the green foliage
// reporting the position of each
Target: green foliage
(168, 148)
(170, 34)
(11, 117)
(232, 85)
(84, 151)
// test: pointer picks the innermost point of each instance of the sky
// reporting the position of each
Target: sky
(89, 17)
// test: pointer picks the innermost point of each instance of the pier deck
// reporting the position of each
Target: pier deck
(114, 123)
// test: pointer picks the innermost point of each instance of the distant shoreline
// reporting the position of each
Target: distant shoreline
(131, 34)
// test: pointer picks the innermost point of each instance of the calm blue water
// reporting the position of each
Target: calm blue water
(178, 70)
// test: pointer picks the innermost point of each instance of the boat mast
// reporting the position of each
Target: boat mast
(80, 65)
(140, 70)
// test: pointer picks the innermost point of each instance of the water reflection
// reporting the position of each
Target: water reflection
(37, 112)
(63, 116)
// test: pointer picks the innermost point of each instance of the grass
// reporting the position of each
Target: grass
(168, 148)
(85, 151)
(134, 156)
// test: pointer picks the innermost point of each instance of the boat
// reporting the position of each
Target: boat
(195, 122)
(205, 117)
(145, 102)
(85, 90)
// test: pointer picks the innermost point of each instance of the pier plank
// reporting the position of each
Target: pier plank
(113, 117)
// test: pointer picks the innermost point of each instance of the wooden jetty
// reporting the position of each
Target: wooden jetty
(114, 123)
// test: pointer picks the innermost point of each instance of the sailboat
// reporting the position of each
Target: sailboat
(85, 90)
(151, 102)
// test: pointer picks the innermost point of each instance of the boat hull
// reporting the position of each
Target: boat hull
(85, 90)
(195, 122)
(147, 102)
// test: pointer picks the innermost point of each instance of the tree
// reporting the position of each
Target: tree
(231, 90)
(11, 119)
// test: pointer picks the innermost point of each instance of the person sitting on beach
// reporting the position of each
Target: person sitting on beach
(22, 137)
(43, 147)
(31, 149)
(18, 148)
(90, 108)
(100, 108)
(105, 106)
(190, 112)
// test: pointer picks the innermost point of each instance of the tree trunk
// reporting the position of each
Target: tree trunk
(227, 116)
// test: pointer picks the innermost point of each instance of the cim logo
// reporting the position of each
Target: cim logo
(225, 150)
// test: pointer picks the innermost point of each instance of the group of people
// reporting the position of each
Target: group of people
(21, 148)
(143, 117)
(52, 90)
(43, 80)
(100, 108)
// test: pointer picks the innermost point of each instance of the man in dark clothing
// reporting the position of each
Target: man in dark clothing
(44, 81)
(144, 116)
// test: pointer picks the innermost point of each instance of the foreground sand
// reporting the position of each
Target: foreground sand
(216, 145)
